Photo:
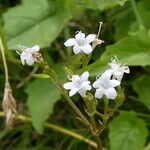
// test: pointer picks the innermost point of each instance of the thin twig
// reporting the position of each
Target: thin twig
(21, 84)
(61, 51)
(95, 133)
(57, 128)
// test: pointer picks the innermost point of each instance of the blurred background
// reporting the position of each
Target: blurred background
(49, 23)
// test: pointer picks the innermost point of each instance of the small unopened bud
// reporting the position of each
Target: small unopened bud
(120, 96)
(90, 103)
(9, 106)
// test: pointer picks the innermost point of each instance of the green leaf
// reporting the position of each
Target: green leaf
(133, 50)
(42, 96)
(142, 87)
(125, 20)
(102, 4)
(36, 22)
(127, 132)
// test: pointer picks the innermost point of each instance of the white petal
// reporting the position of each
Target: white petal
(87, 49)
(118, 73)
(114, 83)
(76, 49)
(107, 73)
(90, 38)
(119, 77)
(88, 87)
(97, 83)
(68, 85)
(111, 93)
(28, 50)
(70, 42)
(75, 78)
(99, 93)
(35, 48)
(30, 60)
(126, 69)
(73, 91)
(84, 76)
(80, 35)
(82, 92)
(23, 57)
(85, 83)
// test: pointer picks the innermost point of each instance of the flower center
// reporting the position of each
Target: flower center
(78, 83)
(105, 84)
(81, 42)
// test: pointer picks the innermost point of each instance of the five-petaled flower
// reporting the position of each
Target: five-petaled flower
(78, 84)
(105, 86)
(27, 55)
(117, 69)
(80, 43)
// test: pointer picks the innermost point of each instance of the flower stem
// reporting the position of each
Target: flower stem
(98, 141)
(2, 49)
(56, 82)
(106, 103)
(75, 108)
(95, 133)
(136, 13)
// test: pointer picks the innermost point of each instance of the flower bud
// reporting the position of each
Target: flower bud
(120, 96)
(90, 103)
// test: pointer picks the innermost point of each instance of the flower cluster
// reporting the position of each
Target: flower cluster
(104, 85)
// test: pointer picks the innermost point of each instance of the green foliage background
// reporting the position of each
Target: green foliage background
(126, 32)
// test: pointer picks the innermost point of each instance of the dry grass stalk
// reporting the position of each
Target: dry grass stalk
(9, 105)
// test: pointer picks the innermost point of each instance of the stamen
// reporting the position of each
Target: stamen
(77, 32)
(18, 53)
(22, 47)
(117, 60)
(99, 30)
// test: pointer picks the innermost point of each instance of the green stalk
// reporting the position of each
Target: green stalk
(2, 49)
(55, 80)
(95, 133)
(136, 13)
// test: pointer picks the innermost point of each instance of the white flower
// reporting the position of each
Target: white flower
(105, 86)
(27, 54)
(80, 43)
(118, 69)
(78, 84)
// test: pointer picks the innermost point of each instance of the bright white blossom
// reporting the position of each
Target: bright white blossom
(78, 84)
(105, 86)
(27, 54)
(80, 43)
(117, 69)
